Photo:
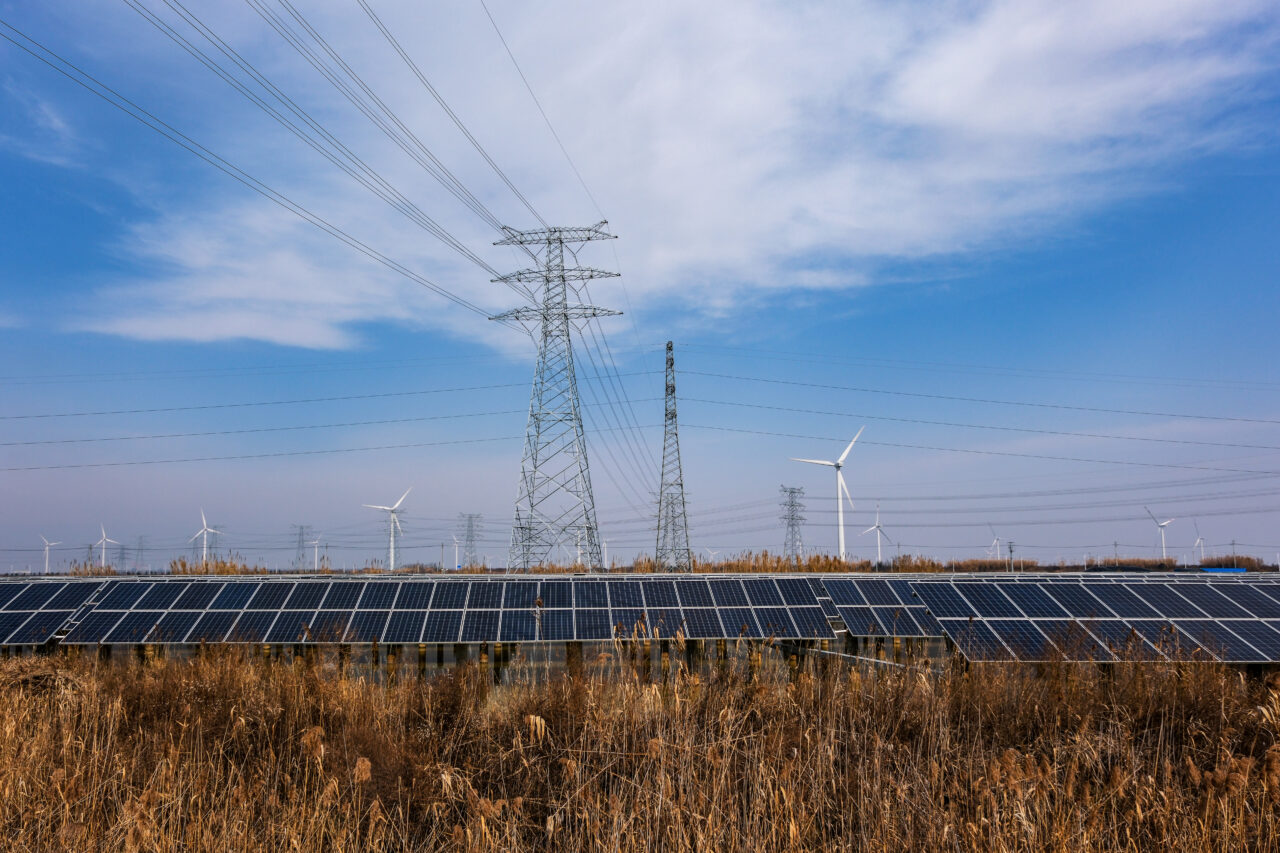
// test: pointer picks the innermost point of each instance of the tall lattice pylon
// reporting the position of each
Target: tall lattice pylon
(470, 524)
(554, 504)
(672, 551)
(792, 517)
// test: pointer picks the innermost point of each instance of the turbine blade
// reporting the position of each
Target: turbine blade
(850, 447)
(402, 497)
(886, 537)
(815, 461)
(868, 530)
(194, 538)
(844, 488)
(203, 521)
(1153, 518)
(383, 508)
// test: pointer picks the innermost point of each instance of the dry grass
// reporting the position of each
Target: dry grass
(227, 752)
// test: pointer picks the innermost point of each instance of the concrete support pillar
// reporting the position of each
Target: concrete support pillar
(722, 657)
(573, 659)
(422, 661)
(392, 665)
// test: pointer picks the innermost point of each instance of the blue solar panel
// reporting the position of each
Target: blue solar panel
(1172, 643)
(134, 627)
(480, 626)
(943, 601)
(92, 629)
(739, 621)
(929, 627)
(629, 620)
(252, 626)
(762, 592)
(519, 626)
(556, 625)
(442, 626)
(378, 595)
(1024, 639)
(342, 595)
(72, 596)
(844, 592)
(173, 626)
(161, 596)
(1122, 640)
(987, 599)
(197, 596)
(1167, 603)
(728, 592)
(861, 622)
(212, 627)
(593, 624)
(896, 621)
(1121, 600)
(1224, 644)
(270, 596)
(307, 595)
(35, 596)
(878, 592)
(1077, 601)
(414, 595)
(8, 591)
(1252, 599)
(702, 622)
(902, 588)
(556, 594)
(366, 625)
(1031, 600)
(520, 595)
(450, 595)
(665, 621)
(291, 627)
(810, 623)
(796, 592)
(775, 621)
(329, 626)
(660, 594)
(1211, 601)
(694, 593)
(1074, 640)
(1258, 635)
(405, 626)
(123, 596)
(234, 596)
(625, 594)
(975, 640)
(39, 629)
(588, 594)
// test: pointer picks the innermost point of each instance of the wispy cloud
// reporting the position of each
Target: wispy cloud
(39, 131)
(741, 149)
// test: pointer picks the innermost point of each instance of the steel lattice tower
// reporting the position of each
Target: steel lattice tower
(554, 504)
(470, 523)
(672, 551)
(793, 517)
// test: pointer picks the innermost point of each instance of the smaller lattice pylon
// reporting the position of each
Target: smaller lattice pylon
(792, 516)
(672, 551)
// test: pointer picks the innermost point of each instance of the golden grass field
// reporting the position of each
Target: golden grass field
(226, 751)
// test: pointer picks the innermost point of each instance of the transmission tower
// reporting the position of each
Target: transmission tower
(554, 504)
(300, 555)
(793, 517)
(672, 551)
(470, 524)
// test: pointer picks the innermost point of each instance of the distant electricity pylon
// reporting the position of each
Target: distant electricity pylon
(470, 524)
(792, 517)
(672, 551)
(554, 504)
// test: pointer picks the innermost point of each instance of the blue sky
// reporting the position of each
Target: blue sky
(972, 227)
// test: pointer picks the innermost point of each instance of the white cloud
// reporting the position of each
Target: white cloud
(740, 149)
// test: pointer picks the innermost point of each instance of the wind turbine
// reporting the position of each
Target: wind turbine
(393, 517)
(47, 546)
(203, 535)
(879, 532)
(841, 489)
(456, 564)
(1162, 525)
(316, 546)
(1199, 543)
(994, 550)
(102, 543)
(711, 555)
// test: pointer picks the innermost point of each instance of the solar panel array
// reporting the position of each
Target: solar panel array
(1026, 617)
(1105, 618)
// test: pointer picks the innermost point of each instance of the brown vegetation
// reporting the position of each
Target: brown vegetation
(230, 752)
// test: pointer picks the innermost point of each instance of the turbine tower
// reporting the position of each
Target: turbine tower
(102, 543)
(393, 521)
(203, 535)
(792, 517)
(879, 533)
(315, 543)
(554, 503)
(672, 551)
(47, 546)
(1162, 525)
(842, 491)
(1199, 543)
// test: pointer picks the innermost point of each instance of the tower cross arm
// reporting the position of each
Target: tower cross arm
(565, 235)
(573, 312)
(568, 274)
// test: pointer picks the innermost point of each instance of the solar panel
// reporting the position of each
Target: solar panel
(366, 625)
(1122, 601)
(625, 594)
(123, 596)
(40, 627)
(197, 596)
(480, 626)
(161, 596)
(557, 625)
(342, 595)
(292, 626)
(810, 622)
(1024, 639)
(134, 627)
(72, 596)
(660, 594)
(556, 594)
(1172, 643)
(860, 621)
(593, 624)
(844, 592)
(234, 596)
(1166, 602)
(929, 627)
(329, 626)
(212, 627)
(987, 599)
(485, 595)
(34, 596)
(589, 594)
(442, 626)
(902, 588)
(796, 592)
(1211, 601)
(405, 626)
(450, 595)
(414, 595)
(520, 595)
(1074, 640)
(1252, 599)
(878, 592)
(943, 601)
(1122, 640)
(173, 626)
(92, 629)
(740, 622)
(1076, 600)
(896, 622)
(702, 622)
(519, 626)
(1258, 635)
(975, 640)
(379, 595)
(629, 620)
(694, 593)
(665, 621)
(775, 621)
(252, 626)
(1032, 600)
(8, 591)
(1222, 643)
(762, 592)
(270, 596)
(306, 596)
(728, 592)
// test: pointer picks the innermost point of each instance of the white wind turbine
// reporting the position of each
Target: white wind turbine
(879, 532)
(316, 545)
(393, 518)
(203, 535)
(842, 491)
(102, 543)
(994, 549)
(47, 546)
(1199, 543)
(1162, 525)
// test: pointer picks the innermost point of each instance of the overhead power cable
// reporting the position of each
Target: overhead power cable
(87, 81)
